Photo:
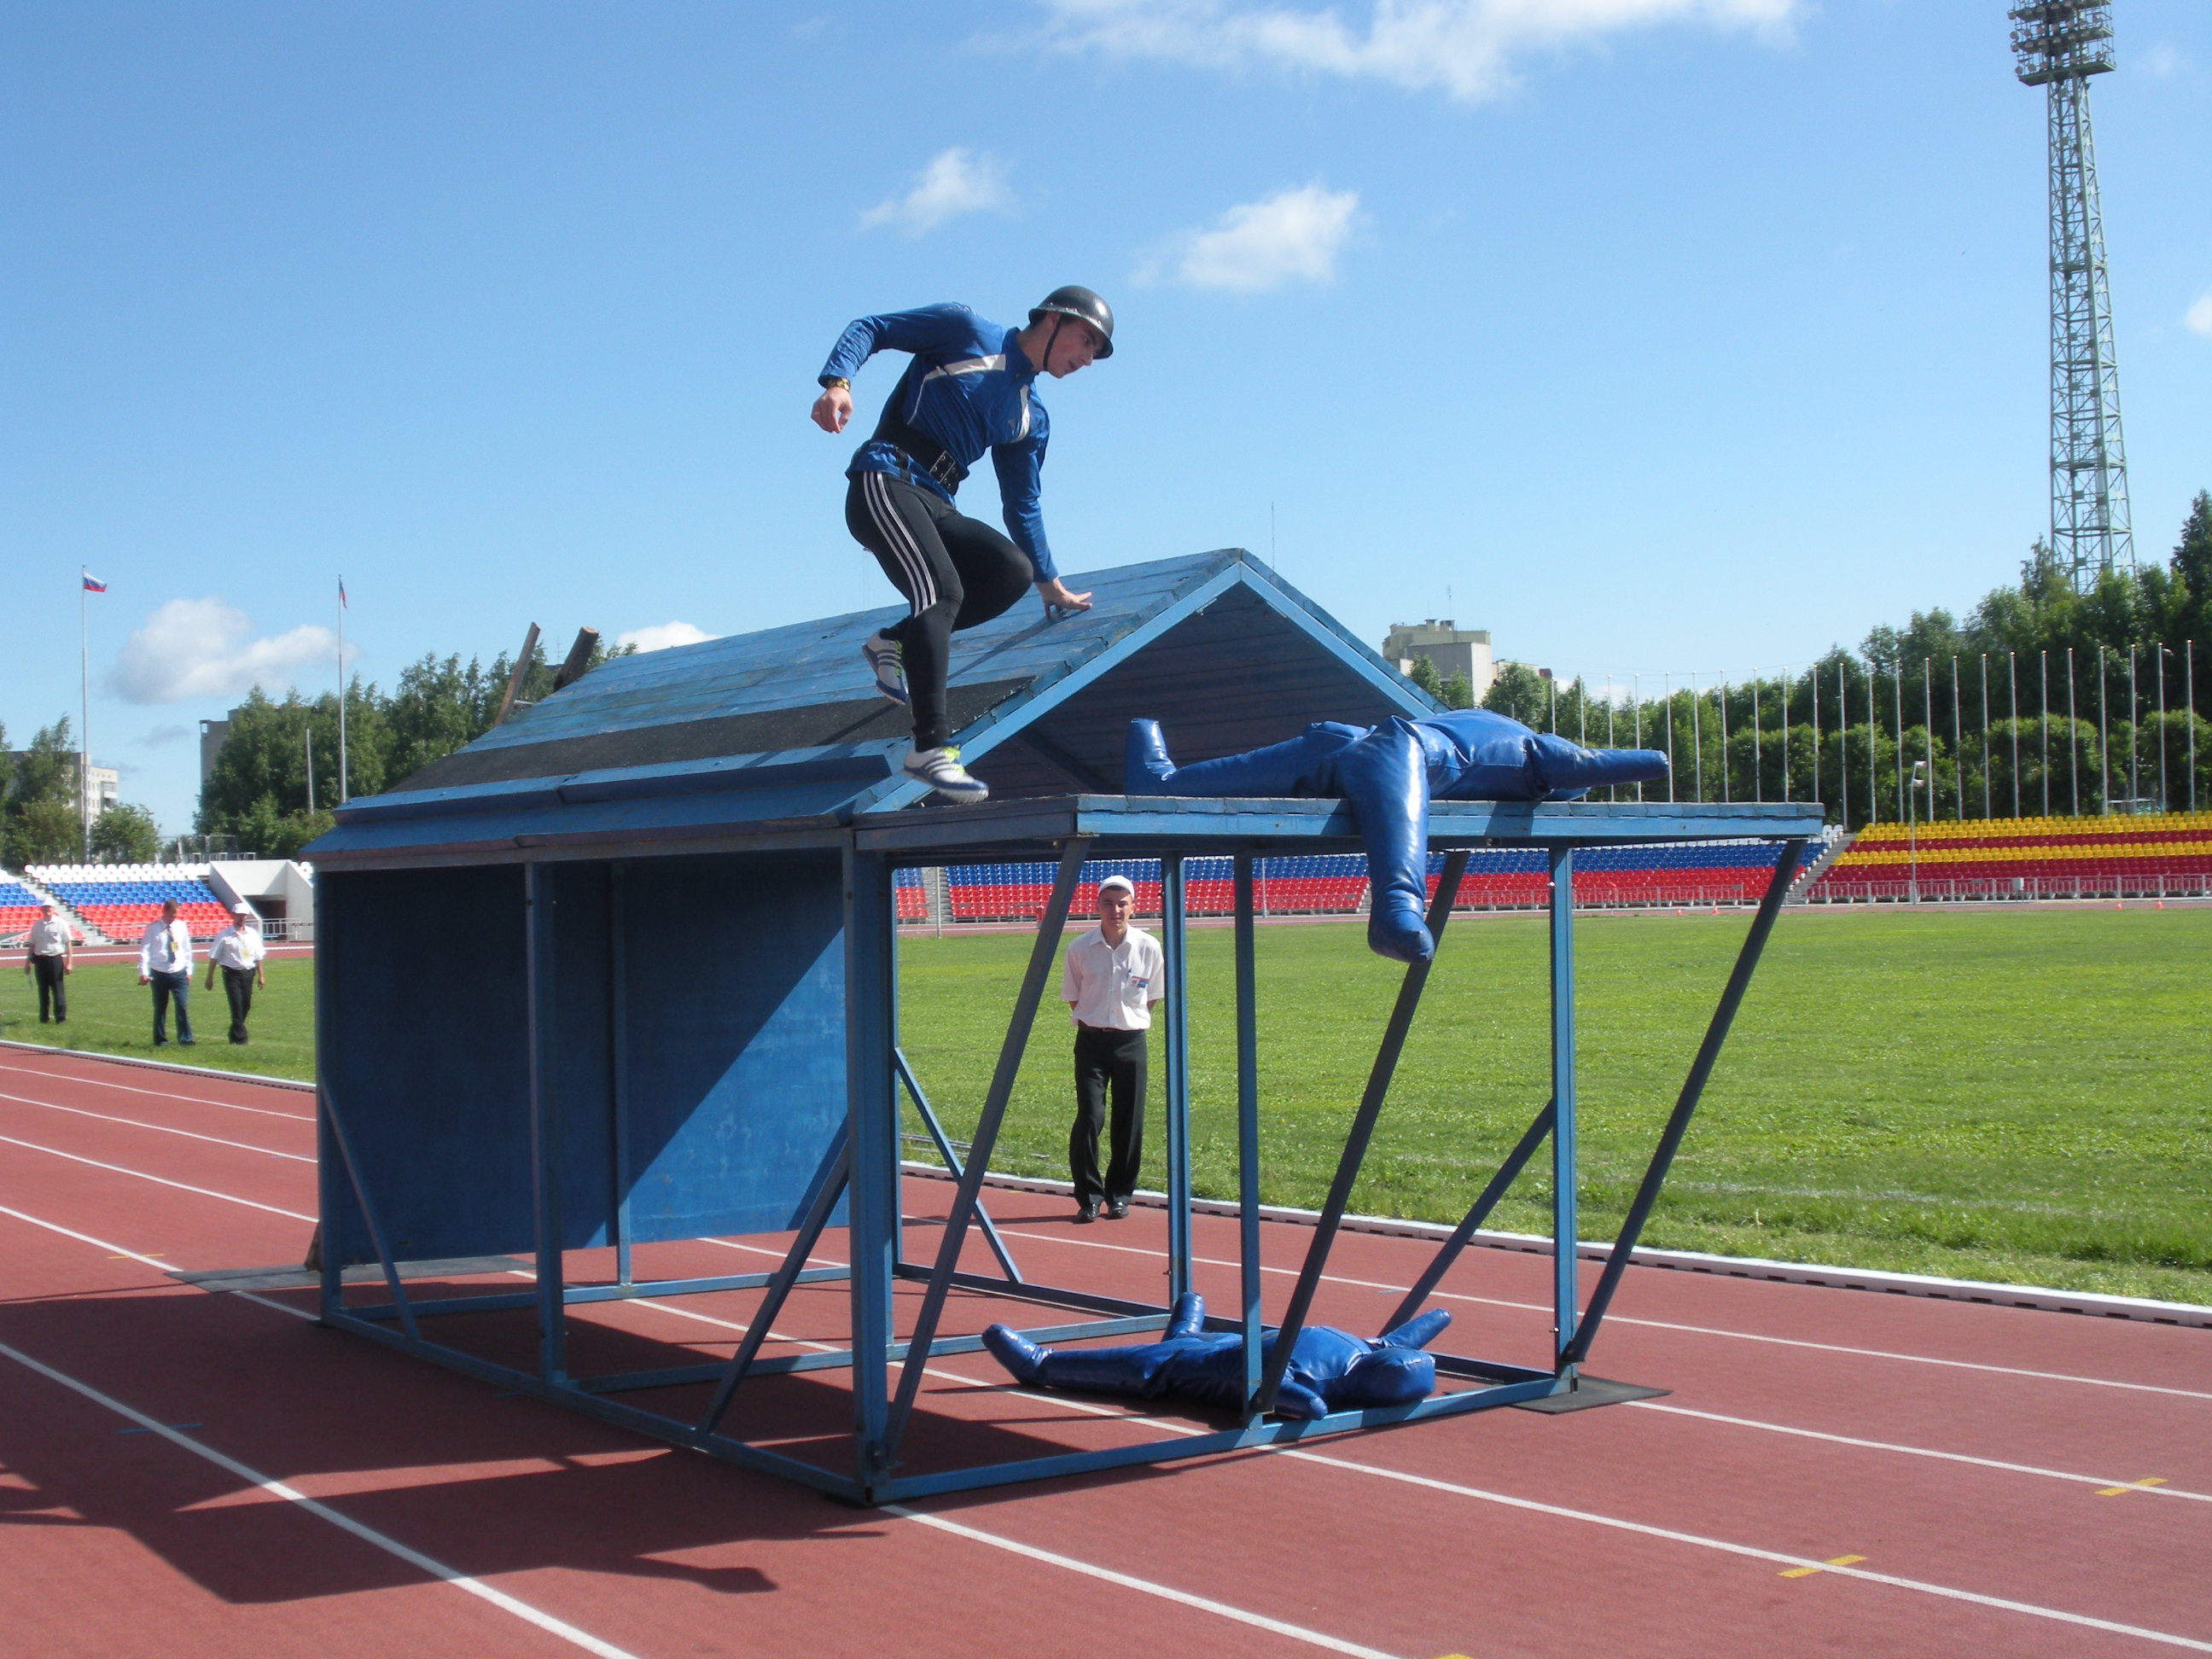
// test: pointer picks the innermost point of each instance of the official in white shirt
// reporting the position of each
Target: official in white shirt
(47, 956)
(1112, 979)
(238, 951)
(165, 960)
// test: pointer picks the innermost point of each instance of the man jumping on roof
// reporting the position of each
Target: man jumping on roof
(968, 389)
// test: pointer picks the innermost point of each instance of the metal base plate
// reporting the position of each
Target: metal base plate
(1589, 1391)
(299, 1279)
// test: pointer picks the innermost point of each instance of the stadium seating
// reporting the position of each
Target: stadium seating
(909, 896)
(1336, 884)
(2162, 855)
(120, 899)
(19, 906)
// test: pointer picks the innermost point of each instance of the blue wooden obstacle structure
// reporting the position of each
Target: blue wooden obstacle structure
(660, 1002)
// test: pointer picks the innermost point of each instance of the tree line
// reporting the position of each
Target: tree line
(2042, 700)
(39, 821)
(271, 787)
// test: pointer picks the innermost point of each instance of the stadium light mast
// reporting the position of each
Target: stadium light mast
(2058, 44)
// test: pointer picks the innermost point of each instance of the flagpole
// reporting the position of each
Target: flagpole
(342, 794)
(84, 711)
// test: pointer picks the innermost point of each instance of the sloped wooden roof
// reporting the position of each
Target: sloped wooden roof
(783, 725)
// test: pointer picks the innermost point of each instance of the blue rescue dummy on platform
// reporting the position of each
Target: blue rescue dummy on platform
(1389, 772)
(1330, 1370)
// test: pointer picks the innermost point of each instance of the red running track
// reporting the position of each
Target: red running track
(183, 1473)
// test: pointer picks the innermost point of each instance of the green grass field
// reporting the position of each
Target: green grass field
(2019, 1096)
(110, 1012)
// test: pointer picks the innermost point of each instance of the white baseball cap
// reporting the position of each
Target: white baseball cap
(1121, 883)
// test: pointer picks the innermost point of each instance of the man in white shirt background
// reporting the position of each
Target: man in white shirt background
(165, 960)
(1112, 979)
(238, 951)
(47, 956)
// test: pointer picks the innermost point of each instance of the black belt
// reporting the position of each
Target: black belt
(918, 446)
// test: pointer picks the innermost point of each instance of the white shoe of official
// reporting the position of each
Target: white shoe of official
(881, 652)
(941, 770)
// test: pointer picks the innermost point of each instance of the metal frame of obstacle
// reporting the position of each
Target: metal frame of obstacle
(862, 1160)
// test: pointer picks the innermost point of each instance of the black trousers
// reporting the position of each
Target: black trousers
(1107, 1064)
(53, 987)
(955, 571)
(238, 991)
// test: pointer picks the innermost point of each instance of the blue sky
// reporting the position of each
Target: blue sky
(1652, 335)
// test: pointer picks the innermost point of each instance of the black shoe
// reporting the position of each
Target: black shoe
(1087, 1213)
(161, 1042)
(1117, 1209)
(188, 1043)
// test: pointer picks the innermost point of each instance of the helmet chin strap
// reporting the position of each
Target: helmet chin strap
(1057, 319)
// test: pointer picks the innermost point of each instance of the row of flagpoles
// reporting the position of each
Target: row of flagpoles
(88, 585)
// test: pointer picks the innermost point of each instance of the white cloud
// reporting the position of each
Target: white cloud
(955, 182)
(192, 648)
(2199, 316)
(1293, 235)
(2164, 62)
(1463, 47)
(661, 635)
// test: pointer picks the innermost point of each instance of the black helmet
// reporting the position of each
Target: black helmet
(1085, 306)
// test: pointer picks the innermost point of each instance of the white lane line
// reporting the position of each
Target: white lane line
(159, 1094)
(1381, 1472)
(1753, 1552)
(70, 1232)
(164, 1180)
(321, 1511)
(1661, 1324)
(1166, 1593)
(160, 1128)
(1911, 1451)
(118, 1249)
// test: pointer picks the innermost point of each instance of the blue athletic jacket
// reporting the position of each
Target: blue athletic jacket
(970, 388)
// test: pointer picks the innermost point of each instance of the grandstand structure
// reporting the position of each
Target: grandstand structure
(20, 906)
(2156, 856)
(1336, 884)
(114, 901)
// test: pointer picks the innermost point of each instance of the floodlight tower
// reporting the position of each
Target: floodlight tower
(2058, 44)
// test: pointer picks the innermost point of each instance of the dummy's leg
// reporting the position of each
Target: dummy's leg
(1385, 777)
(1419, 1331)
(1565, 767)
(1024, 1361)
(1300, 767)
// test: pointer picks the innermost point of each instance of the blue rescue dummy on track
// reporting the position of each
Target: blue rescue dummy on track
(1330, 1370)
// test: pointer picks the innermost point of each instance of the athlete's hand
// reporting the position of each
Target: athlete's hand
(832, 409)
(1058, 601)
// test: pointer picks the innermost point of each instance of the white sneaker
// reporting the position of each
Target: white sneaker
(941, 770)
(881, 652)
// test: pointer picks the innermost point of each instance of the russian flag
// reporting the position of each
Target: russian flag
(93, 584)
(343, 605)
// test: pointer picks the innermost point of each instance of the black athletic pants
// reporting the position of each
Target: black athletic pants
(1107, 1062)
(238, 991)
(52, 987)
(956, 572)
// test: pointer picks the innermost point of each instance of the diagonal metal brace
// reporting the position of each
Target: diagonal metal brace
(979, 1149)
(952, 1163)
(1678, 1121)
(1508, 1172)
(830, 1177)
(368, 1209)
(1356, 1139)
